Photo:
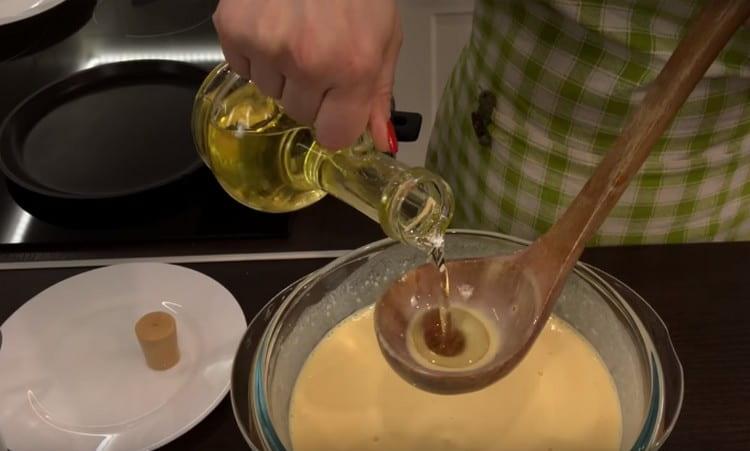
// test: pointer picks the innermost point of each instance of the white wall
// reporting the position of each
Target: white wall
(435, 31)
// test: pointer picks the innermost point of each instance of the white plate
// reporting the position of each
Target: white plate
(72, 374)
(15, 10)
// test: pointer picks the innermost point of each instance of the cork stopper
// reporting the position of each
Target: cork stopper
(157, 334)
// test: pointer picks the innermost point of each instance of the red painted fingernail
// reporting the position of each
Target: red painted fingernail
(392, 140)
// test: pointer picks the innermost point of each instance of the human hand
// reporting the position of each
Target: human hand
(330, 63)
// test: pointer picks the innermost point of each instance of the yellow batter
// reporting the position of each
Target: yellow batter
(560, 397)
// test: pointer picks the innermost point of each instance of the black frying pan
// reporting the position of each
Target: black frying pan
(108, 132)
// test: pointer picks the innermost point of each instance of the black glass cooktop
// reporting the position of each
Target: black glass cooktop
(84, 34)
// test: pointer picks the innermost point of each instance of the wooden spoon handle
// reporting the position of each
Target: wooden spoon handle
(563, 244)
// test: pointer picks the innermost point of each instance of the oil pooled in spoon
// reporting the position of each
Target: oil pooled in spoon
(449, 336)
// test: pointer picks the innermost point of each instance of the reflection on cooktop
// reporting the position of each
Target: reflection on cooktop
(145, 18)
(193, 209)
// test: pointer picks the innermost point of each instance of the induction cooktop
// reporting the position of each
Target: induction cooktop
(83, 34)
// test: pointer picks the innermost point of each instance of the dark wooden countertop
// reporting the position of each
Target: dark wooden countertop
(702, 291)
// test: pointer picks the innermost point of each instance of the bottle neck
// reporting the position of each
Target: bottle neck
(412, 205)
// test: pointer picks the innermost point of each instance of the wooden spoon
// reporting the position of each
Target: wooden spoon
(517, 292)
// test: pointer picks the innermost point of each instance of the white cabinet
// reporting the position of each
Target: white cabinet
(435, 32)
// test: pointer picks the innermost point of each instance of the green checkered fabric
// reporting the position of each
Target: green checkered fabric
(561, 77)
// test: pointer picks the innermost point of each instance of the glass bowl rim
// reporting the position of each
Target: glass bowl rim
(273, 312)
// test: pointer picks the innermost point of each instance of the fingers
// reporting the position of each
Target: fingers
(269, 80)
(236, 60)
(379, 121)
(242, 58)
(343, 116)
(238, 63)
(332, 71)
(231, 43)
(301, 101)
(380, 113)
(346, 108)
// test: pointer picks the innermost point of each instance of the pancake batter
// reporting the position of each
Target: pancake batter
(560, 397)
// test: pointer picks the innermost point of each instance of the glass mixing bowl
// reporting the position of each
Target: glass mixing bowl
(629, 336)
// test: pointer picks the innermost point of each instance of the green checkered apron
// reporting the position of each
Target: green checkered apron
(541, 92)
